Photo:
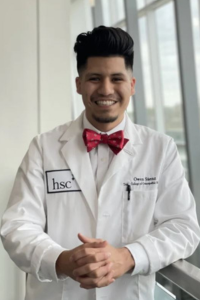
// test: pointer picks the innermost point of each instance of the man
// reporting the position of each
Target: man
(100, 204)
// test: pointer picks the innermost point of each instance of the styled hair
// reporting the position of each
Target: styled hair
(104, 42)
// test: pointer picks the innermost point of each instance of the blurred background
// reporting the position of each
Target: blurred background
(37, 81)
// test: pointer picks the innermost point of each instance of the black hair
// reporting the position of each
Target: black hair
(104, 41)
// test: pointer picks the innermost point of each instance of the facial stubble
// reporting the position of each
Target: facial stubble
(104, 119)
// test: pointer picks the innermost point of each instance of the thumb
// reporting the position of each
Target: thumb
(85, 239)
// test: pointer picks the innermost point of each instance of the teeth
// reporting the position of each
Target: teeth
(107, 103)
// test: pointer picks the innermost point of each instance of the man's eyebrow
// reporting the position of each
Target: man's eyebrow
(118, 74)
(98, 74)
(93, 74)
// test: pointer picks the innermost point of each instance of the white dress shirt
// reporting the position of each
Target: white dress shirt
(102, 155)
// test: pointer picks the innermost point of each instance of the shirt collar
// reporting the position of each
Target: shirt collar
(87, 124)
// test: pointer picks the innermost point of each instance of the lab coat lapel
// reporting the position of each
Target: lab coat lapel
(78, 160)
(129, 151)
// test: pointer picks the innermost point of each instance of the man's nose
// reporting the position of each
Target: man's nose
(106, 87)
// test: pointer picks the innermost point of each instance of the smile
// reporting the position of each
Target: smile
(105, 103)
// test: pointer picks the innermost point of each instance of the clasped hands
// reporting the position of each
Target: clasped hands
(95, 263)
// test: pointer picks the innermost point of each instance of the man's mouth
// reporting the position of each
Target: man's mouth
(105, 102)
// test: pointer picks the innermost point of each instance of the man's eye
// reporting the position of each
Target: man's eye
(117, 79)
(94, 79)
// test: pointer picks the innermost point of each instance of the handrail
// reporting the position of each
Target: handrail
(184, 275)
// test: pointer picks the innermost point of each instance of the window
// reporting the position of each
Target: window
(146, 68)
(195, 14)
(172, 102)
(161, 73)
(113, 12)
(140, 4)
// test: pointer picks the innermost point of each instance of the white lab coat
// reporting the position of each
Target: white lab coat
(47, 210)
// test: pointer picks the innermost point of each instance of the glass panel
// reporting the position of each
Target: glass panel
(195, 11)
(120, 9)
(106, 12)
(130, 110)
(168, 57)
(149, 1)
(140, 4)
(167, 290)
(146, 68)
(122, 26)
(113, 11)
(162, 293)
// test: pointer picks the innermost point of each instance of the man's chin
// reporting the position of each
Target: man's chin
(105, 119)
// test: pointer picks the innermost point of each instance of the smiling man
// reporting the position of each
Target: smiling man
(106, 85)
(100, 204)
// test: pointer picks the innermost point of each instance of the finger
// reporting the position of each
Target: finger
(86, 287)
(89, 249)
(96, 282)
(106, 280)
(101, 271)
(97, 257)
(96, 244)
(85, 239)
(86, 269)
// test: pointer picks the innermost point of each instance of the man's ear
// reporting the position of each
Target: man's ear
(133, 80)
(78, 85)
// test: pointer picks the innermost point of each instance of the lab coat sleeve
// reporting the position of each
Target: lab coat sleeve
(176, 233)
(23, 223)
(140, 258)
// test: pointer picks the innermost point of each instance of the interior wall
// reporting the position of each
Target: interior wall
(55, 69)
(81, 21)
(35, 94)
(18, 112)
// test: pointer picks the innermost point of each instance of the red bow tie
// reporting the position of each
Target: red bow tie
(115, 141)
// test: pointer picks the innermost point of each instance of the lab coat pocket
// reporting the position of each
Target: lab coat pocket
(137, 214)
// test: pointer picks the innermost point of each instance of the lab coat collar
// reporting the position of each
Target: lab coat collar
(132, 134)
(78, 160)
(130, 131)
(129, 151)
(74, 128)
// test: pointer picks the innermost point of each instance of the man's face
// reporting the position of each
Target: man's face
(106, 86)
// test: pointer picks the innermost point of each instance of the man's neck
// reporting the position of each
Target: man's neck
(105, 127)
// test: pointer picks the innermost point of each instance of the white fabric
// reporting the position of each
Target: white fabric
(160, 216)
(100, 158)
